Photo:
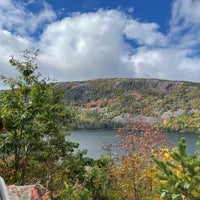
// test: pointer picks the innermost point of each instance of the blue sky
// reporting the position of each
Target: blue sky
(147, 11)
(89, 39)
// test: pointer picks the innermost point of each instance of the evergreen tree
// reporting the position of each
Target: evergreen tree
(179, 178)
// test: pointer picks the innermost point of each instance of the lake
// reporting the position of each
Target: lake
(94, 140)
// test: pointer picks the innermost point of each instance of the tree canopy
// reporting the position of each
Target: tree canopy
(34, 124)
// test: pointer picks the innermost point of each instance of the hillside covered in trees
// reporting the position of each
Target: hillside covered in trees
(110, 103)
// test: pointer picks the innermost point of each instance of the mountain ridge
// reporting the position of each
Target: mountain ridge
(112, 102)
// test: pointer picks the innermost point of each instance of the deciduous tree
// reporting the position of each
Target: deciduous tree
(36, 122)
(134, 174)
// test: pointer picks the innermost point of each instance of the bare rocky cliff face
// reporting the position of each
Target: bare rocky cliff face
(107, 88)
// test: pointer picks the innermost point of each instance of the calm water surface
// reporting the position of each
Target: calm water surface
(93, 141)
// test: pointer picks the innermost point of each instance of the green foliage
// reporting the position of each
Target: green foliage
(94, 120)
(95, 182)
(36, 121)
(76, 166)
(76, 192)
(187, 122)
(97, 179)
(180, 178)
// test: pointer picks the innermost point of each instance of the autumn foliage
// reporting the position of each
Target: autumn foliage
(134, 174)
(35, 123)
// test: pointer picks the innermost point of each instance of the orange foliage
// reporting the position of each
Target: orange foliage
(134, 175)
(111, 102)
(98, 103)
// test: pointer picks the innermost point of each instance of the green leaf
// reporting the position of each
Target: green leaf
(163, 194)
(186, 185)
(177, 184)
(174, 196)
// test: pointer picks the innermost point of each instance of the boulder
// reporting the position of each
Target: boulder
(28, 192)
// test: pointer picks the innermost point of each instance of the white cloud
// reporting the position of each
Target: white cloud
(94, 45)
(145, 33)
(168, 63)
(86, 45)
(185, 13)
(16, 18)
(10, 45)
(16, 26)
(185, 23)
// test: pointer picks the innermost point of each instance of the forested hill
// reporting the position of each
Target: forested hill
(107, 103)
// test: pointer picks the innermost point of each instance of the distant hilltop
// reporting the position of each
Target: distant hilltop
(114, 102)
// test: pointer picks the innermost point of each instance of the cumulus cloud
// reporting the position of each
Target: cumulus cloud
(145, 33)
(17, 18)
(10, 45)
(185, 14)
(17, 24)
(165, 63)
(185, 24)
(86, 46)
(105, 43)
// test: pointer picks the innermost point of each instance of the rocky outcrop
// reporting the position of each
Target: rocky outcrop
(28, 192)
(154, 84)
(114, 100)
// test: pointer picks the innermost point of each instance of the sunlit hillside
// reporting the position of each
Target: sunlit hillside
(109, 103)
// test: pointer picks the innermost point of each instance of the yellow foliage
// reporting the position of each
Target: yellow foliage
(135, 177)
(165, 122)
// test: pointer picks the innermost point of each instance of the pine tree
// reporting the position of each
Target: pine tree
(179, 178)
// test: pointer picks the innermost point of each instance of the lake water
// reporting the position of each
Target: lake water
(93, 141)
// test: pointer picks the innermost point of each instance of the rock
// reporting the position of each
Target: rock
(127, 118)
(28, 192)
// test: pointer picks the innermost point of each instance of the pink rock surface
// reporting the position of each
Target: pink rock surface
(28, 192)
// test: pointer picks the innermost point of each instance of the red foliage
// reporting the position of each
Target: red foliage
(141, 137)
